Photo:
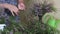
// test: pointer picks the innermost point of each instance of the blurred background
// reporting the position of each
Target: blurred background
(38, 18)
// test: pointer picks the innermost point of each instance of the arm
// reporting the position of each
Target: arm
(2, 5)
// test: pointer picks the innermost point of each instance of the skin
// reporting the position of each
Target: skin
(13, 8)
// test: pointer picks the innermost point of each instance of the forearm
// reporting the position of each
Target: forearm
(1, 5)
(9, 6)
(4, 5)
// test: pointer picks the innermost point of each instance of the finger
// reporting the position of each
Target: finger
(12, 13)
(16, 13)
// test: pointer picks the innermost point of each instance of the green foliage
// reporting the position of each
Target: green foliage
(28, 25)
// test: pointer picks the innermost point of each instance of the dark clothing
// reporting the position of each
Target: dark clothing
(13, 2)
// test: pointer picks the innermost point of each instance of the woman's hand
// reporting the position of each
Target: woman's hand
(12, 8)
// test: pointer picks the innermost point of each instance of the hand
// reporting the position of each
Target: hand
(21, 6)
(12, 8)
